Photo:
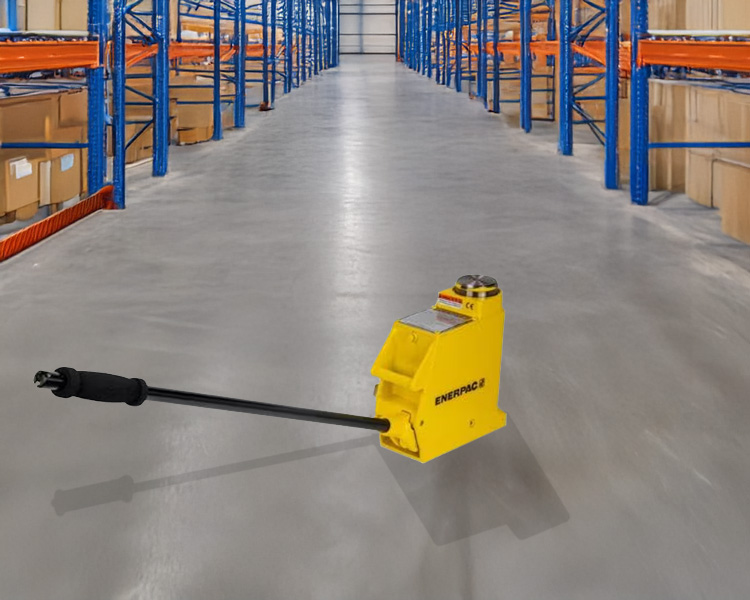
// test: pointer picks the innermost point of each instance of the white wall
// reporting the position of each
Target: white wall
(368, 26)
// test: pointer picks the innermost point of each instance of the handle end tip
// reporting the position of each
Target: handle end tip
(45, 379)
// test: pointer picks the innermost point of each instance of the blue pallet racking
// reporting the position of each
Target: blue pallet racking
(459, 42)
(439, 37)
(147, 28)
(729, 57)
(266, 42)
(67, 57)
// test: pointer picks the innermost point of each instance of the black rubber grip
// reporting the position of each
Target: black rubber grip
(101, 387)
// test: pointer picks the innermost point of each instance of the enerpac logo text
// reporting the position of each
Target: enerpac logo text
(472, 387)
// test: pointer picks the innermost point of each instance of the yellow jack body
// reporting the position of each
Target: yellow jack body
(439, 372)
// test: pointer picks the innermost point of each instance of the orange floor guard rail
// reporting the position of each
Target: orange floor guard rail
(33, 234)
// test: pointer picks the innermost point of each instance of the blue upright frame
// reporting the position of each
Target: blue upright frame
(97, 153)
(606, 15)
(11, 9)
(240, 60)
(148, 26)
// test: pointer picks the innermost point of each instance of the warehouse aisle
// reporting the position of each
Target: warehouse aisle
(271, 266)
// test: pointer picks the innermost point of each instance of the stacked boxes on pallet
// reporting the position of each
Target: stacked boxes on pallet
(717, 14)
(191, 110)
(690, 112)
(720, 178)
(31, 178)
(51, 15)
(542, 82)
(139, 131)
(193, 95)
(716, 178)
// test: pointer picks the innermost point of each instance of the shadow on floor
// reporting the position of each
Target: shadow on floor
(124, 488)
(492, 482)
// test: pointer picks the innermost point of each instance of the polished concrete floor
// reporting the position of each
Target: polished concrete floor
(271, 267)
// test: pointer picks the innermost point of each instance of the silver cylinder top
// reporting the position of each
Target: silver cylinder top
(476, 286)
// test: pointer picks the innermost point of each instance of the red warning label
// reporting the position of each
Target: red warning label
(450, 301)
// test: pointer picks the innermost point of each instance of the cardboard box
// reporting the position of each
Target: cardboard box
(668, 123)
(19, 180)
(195, 116)
(45, 182)
(133, 153)
(735, 124)
(731, 185)
(510, 90)
(74, 15)
(733, 15)
(700, 177)
(73, 108)
(66, 181)
(667, 14)
(145, 137)
(60, 176)
(26, 212)
(85, 173)
(194, 136)
(137, 86)
(20, 13)
(145, 153)
(62, 173)
(59, 173)
(183, 89)
(147, 111)
(70, 134)
(55, 15)
(227, 118)
(28, 119)
(42, 15)
(68, 175)
(701, 14)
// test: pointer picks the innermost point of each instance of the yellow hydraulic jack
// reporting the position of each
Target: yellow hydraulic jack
(439, 378)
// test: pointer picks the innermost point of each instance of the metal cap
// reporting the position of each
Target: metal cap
(476, 286)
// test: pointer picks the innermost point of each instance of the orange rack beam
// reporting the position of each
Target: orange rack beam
(198, 50)
(19, 57)
(27, 237)
(594, 49)
(695, 54)
(540, 48)
(135, 53)
(597, 50)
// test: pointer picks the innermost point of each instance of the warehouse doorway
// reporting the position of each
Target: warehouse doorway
(367, 26)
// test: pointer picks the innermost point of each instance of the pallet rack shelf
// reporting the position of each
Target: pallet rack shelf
(465, 44)
(710, 52)
(25, 53)
(22, 53)
(29, 55)
(266, 42)
(438, 36)
(693, 50)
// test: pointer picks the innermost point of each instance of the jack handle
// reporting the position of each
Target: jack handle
(100, 387)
